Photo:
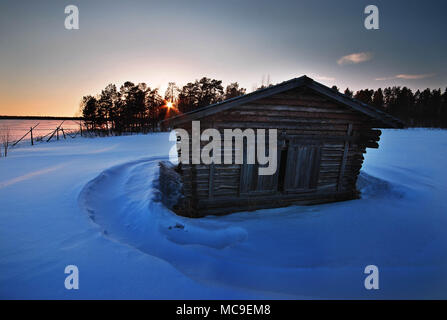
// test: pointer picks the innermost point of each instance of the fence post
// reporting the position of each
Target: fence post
(80, 126)
(24, 135)
(57, 133)
(31, 131)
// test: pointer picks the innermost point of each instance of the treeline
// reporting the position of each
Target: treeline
(138, 108)
(132, 108)
(204, 92)
(427, 108)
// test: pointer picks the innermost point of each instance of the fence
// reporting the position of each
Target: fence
(11, 133)
(58, 131)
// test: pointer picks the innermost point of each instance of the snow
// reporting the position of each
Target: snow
(95, 203)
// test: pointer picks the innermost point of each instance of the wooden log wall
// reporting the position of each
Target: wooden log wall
(344, 135)
(170, 184)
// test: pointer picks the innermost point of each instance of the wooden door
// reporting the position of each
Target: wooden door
(253, 183)
(302, 167)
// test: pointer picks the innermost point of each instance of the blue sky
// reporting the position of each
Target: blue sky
(46, 69)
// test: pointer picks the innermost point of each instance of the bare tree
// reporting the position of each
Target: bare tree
(5, 136)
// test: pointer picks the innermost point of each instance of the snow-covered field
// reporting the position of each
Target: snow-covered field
(94, 203)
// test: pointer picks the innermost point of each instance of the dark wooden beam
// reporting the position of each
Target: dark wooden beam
(345, 157)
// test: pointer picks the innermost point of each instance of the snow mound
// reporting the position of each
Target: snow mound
(218, 238)
(124, 201)
(372, 187)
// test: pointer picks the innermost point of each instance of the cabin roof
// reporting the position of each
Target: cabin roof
(383, 119)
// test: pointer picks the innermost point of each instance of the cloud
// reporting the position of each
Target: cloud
(414, 76)
(408, 76)
(355, 58)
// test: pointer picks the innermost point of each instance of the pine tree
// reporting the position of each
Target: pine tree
(377, 99)
(348, 92)
(233, 90)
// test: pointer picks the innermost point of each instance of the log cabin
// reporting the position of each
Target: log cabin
(322, 137)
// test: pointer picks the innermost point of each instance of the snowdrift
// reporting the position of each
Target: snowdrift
(129, 245)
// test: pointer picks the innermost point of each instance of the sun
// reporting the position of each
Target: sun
(169, 104)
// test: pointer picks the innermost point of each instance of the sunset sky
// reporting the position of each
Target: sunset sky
(46, 69)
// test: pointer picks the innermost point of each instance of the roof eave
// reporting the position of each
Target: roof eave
(378, 115)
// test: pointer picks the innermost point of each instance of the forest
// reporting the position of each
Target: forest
(139, 108)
